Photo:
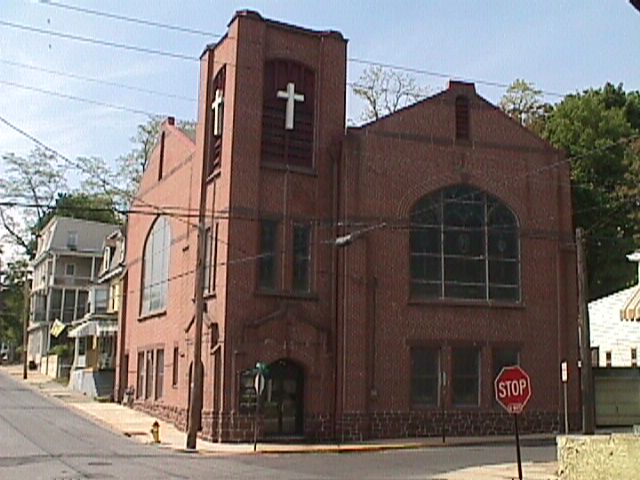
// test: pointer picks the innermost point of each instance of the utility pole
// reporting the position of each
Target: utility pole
(25, 324)
(586, 383)
(195, 404)
(195, 407)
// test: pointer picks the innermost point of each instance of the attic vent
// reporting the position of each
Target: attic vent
(462, 118)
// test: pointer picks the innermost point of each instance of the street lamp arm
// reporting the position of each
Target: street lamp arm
(347, 239)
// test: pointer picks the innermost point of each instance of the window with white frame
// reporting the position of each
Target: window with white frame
(106, 259)
(159, 373)
(70, 269)
(156, 267)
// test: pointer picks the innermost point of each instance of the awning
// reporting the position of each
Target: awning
(631, 308)
(95, 328)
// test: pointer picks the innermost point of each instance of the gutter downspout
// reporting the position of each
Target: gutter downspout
(335, 293)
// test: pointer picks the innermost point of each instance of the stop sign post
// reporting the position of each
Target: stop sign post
(513, 391)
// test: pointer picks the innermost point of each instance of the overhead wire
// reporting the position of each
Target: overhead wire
(96, 41)
(98, 81)
(442, 75)
(89, 101)
(144, 50)
(130, 19)
(255, 215)
(81, 167)
(356, 60)
(170, 54)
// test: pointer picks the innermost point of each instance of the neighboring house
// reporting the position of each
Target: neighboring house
(615, 340)
(67, 262)
(456, 255)
(614, 323)
(95, 334)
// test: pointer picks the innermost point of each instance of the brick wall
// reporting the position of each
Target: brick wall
(352, 333)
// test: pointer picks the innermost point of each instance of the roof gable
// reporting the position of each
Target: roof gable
(434, 120)
(73, 234)
(173, 148)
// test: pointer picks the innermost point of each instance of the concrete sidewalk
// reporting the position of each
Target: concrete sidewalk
(137, 425)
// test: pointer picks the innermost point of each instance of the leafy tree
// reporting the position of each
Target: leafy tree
(594, 128)
(385, 91)
(129, 167)
(95, 207)
(523, 102)
(32, 183)
(12, 302)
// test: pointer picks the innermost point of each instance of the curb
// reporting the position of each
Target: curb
(276, 450)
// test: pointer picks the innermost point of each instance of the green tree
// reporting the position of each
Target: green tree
(385, 91)
(523, 102)
(595, 129)
(31, 183)
(95, 207)
(12, 299)
(129, 167)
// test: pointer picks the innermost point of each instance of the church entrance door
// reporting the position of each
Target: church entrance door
(284, 401)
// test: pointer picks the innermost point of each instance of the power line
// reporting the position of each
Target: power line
(97, 80)
(143, 21)
(421, 71)
(443, 75)
(125, 18)
(95, 41)
(80, 99)
(81, 167)
(163, 210)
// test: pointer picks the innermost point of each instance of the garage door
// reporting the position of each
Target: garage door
(617, 401)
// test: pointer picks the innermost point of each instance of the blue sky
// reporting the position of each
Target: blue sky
(561, 46)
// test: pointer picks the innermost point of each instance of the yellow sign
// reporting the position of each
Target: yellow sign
(57, 328)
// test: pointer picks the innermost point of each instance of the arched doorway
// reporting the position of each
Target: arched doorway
(284, 400)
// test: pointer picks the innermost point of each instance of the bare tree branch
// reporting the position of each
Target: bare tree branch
(385, 91)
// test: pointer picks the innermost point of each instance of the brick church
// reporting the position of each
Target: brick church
(384, 273)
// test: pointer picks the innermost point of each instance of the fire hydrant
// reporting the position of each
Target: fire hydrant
(155, 432)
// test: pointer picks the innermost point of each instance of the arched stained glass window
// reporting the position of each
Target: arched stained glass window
(156, 267)
(464, 244)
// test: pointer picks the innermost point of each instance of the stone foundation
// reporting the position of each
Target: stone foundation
(379, 425)
(355, 427)
(172, 414)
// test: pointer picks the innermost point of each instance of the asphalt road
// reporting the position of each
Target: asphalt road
(41, 439)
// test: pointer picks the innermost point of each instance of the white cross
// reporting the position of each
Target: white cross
(216, 106)
(291, 96)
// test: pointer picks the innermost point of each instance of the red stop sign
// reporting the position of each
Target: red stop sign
(513, 389)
